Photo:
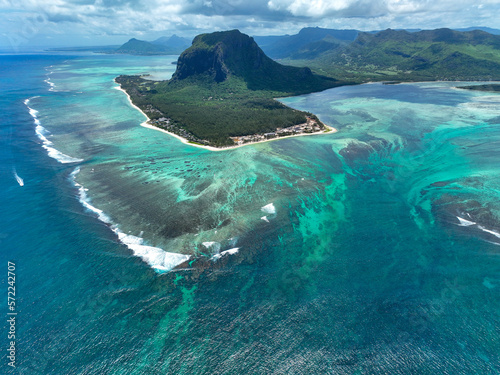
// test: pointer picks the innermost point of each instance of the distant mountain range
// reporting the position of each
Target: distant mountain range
(311, 42)
(486, 29)
(307, 43)
(405, 55)
(173, 45)
(425, 55)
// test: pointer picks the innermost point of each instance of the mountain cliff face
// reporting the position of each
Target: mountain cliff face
(224, 55)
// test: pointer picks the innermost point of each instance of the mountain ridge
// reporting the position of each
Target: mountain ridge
(423, 55)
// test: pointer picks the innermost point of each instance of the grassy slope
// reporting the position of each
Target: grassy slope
(427, 55)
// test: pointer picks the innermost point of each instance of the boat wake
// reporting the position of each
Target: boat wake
(19, 180)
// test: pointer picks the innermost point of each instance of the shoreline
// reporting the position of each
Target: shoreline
(145, 124)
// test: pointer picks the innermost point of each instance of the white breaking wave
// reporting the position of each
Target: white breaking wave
(213, 246)
(156, 257)
(230, 251)
(85, 201)
(41, 132)
(159, 259)
(51, 84)
(19, 180)
(59, 156)
(468, 223)
(226, 252)
(270, 210)
(465, 222)
(496, 234)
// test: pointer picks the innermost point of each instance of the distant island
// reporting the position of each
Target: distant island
(222, 94)
(173, 45)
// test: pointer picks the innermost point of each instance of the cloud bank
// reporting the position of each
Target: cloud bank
(109, 20)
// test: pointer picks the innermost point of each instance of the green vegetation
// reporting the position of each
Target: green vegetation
(309, 43)
(224, 87)
(224, 84)
(441, 54)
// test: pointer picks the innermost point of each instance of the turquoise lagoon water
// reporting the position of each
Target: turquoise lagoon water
(374, 250)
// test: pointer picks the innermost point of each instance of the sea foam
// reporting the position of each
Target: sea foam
(496, 234)
(157, 258)
(51, 84)
(225, 252)
(468, 223)
(465, 222)
(160, 260)
(213, 246)
(42, 134)
(270, 210)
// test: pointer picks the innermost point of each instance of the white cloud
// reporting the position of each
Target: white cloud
(259, 17)
(311, 8)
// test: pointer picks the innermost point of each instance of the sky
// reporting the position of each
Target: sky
(28, 24)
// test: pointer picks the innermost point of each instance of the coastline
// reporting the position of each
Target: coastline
(145, 124)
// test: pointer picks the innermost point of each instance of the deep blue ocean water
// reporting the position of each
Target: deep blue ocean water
(374, 250)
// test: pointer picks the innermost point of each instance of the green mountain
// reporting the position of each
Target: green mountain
(314, 49)
(425, 55)
(140, 47)
(231, 54)
(482, 28)
(173, 45)
(294, 46)
(224, 87)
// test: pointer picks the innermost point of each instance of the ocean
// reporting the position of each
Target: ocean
(372, 250)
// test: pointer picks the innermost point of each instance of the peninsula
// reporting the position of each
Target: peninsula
(222, 94)
(492, 87)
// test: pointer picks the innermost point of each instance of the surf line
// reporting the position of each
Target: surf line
(43, 133)
(160, 260)
(468, 223)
